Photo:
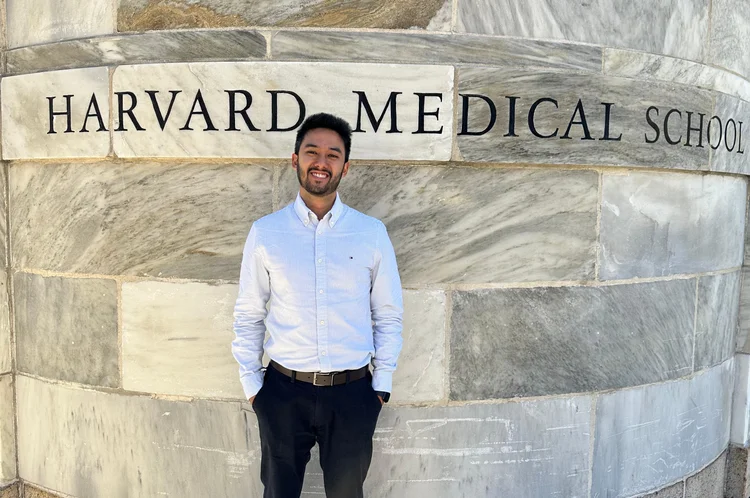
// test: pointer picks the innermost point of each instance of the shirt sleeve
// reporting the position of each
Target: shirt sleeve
(249, 315)
(386, 304)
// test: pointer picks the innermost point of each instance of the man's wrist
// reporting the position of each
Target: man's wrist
(385, 396)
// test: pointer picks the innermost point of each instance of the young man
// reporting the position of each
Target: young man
(321, 278)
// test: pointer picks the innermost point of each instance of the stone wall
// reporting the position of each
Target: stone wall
(571, 302)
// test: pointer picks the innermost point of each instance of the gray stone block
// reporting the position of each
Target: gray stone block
(67, 328)
(477, 224)
(709, 482)
(145, 219)
(743, 333)
(657, 224)
(7, 430)
(89, 443)
(6, 345)
(173, 46)
(675, 27)
(738, 473)
(11, 491)
(41, 21)
(145, 15)
(673, 491)
(716, 318)
(30, 491)
(553, 139)
(436, 48)
(730, 35)
(653, 435)
(530, 342)
(730, 147)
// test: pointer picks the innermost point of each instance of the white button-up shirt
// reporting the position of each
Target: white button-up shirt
(327, 291)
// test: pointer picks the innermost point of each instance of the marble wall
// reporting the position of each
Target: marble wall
(569, 232)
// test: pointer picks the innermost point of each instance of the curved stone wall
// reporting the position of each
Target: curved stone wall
(564, 185)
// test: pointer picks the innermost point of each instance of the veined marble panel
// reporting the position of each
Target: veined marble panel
(653, 435)
(29, 101)
(673, 27)
(743, 333)
(730, 135)
(709, 482)
(489, 450)
(7, 430)
(561, 118)
(172, 46)
(176, 340)
(554, 340)
(143, 219)
(716, 318)
(471, 224)
(740, 429)
(422, 47)
(30, 22)
(5, 342)
(644, 66)
(67, 436)
(730, 35)
(316, 89)
(67, 328)
(144, 15)
(657, 224)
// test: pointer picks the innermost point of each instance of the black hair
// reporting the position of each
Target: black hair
(329, 122)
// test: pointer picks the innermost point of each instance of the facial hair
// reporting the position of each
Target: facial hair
(328, 188)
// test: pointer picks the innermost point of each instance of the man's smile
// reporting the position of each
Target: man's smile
(322, 175)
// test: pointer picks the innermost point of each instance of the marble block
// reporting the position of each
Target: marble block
(89, 443)
(67, 328)
(554, 340)
(144, 15)
(231, 135)
(673, 491)
(518, 449)
(176, 339)
(27, 120)
(172, 46)
(672, 27)
(548, 117)
(147, 219)
(420, 375)
(728, 138)
(476, 225)
(7, 430)
(709, 482)
(740, 428)
(658, 224)
(643, 66)
(743, 332)
(716, 318)
(730, 35)
(30, 22)
(653, 435)
(6, 344)
(435, 48)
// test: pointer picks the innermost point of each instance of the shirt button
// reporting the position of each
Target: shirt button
(322, 322)
(323, 353)
(320, 260)
(321, 291)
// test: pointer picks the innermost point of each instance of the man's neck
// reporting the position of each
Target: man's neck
(320, 205)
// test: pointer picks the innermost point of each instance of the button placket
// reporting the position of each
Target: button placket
(322, 298)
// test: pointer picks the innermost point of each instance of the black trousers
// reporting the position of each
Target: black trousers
(293, 416)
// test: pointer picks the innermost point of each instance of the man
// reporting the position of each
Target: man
(321, 278)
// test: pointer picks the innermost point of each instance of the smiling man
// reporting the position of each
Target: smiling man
(322, 279)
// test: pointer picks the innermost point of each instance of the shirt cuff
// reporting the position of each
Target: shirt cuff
(252, 383)
(382, 381)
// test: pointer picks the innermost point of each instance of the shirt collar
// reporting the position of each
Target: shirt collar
(304, 213)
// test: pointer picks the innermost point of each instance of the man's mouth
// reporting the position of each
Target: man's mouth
(321, 175)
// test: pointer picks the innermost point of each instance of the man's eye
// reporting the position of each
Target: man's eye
(333, 156)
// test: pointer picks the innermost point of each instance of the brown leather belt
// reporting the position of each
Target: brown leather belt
(321, 379)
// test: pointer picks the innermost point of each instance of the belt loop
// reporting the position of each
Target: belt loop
(293, 377)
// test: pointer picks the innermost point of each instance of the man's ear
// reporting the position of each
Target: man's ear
(345, 170)
(295, 160)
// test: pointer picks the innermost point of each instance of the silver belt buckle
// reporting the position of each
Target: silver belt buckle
(315, 379)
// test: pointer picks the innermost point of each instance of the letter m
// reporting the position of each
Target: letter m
(365, 104)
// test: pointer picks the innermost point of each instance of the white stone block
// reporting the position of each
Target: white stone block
(7, 430)
(30, 22)
(319, 86)
(30, 101)
(740, 431)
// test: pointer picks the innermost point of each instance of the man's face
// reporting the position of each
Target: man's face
(320, 164)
